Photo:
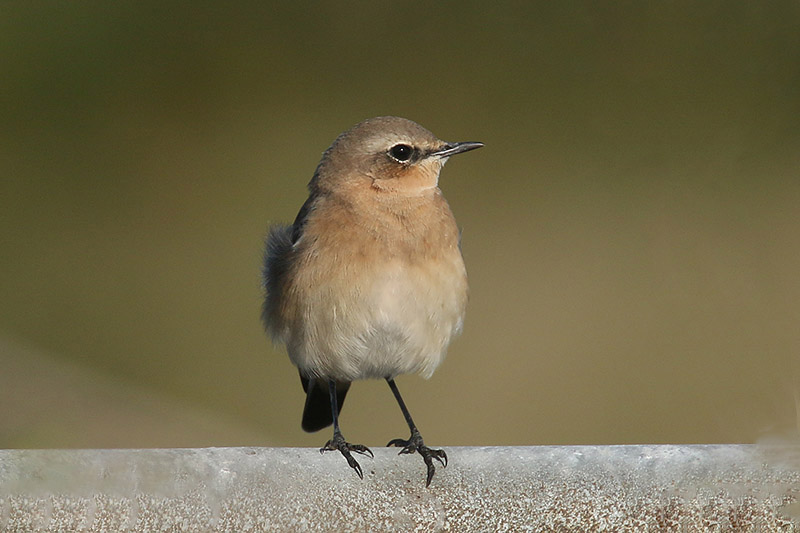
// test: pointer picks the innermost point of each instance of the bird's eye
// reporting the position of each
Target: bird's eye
(401, 152)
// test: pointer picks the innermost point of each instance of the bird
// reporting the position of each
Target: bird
(369, 281)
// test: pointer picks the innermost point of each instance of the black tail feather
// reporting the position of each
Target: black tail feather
(317, 411)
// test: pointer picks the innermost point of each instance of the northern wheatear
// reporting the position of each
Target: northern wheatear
(369, 282)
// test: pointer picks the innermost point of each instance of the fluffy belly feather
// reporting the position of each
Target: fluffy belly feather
(400, 322)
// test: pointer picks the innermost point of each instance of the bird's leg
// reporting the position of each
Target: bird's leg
(338, 442)
(414, 442)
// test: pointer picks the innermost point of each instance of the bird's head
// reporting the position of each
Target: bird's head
(386, 155)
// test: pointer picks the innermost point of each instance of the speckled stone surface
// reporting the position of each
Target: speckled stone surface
(559, 489)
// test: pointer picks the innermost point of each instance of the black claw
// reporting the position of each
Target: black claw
(415, 444)
(431, 470)
(338, 443)
(363, 450)
(354, 465)
(440, 456)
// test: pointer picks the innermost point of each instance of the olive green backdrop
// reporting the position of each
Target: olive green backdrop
(631, 229)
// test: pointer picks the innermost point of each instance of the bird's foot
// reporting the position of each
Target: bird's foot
(338, 443)
(415, 444)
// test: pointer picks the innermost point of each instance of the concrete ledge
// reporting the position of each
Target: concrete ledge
(573, 488)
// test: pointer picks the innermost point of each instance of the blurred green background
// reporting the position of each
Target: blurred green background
(631, 229)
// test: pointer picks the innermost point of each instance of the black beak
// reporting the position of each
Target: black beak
(455, 148)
